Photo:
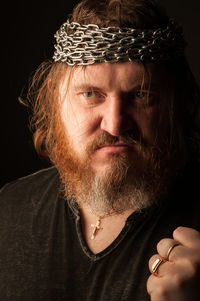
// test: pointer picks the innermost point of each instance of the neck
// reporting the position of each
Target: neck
(99, 235)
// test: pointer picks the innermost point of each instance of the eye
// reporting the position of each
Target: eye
(142, 94)
(145, 98)
(90, 94)
(92, 98)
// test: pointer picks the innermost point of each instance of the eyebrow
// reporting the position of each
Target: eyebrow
(86, 87)
(90, 87)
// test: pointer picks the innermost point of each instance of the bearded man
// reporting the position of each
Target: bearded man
(116, 112)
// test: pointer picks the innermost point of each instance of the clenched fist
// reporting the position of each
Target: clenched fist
(176, 268)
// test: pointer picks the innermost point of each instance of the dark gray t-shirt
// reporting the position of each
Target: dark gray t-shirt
(43, 254)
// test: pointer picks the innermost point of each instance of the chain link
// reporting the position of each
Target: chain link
(88, 44)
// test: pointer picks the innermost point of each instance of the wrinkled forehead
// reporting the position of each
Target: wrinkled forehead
(117, 75)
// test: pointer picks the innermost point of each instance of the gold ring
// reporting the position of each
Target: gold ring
(156, 265)
(170, 249)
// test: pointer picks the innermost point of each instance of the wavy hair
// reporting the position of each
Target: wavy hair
(43, 93)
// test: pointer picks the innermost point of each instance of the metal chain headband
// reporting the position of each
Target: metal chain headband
(88, 44)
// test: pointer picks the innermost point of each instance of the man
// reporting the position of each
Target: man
(116, 112)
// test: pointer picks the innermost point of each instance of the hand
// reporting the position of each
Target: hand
(177, 276)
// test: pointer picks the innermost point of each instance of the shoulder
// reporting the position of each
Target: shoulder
(36, 183)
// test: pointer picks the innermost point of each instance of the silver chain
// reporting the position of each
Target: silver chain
(88, 44)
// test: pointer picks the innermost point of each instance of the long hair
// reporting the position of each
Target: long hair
(43, 94)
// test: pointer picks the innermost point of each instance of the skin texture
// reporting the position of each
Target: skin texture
(112, 98)
(108, 98)
(177, 279)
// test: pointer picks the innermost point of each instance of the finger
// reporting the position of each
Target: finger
(162, 268)
(179, 272)
(179, 253)
(166, 246)
(154, 264)
(187, 237)
(157, 288)
(152, 284)
(169, 286)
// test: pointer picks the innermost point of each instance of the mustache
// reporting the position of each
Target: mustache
(105, 138)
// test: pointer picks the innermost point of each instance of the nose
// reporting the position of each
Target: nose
(116, 119)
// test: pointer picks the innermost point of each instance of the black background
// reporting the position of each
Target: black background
(27, 39)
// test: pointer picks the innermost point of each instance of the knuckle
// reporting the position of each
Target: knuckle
(186, 230)
(193, 267)
(161, 242)
(149, 284)
(164, 244)
(178, 230)
(178, 281)
(162, 292)
(153, 258)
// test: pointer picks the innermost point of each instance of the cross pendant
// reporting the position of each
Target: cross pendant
(96, 228)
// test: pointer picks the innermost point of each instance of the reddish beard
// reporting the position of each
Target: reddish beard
(122, 187)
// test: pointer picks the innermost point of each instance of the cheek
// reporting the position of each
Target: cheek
(146, 122)
(79, 124)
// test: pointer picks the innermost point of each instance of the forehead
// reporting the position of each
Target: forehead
(116, 75)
